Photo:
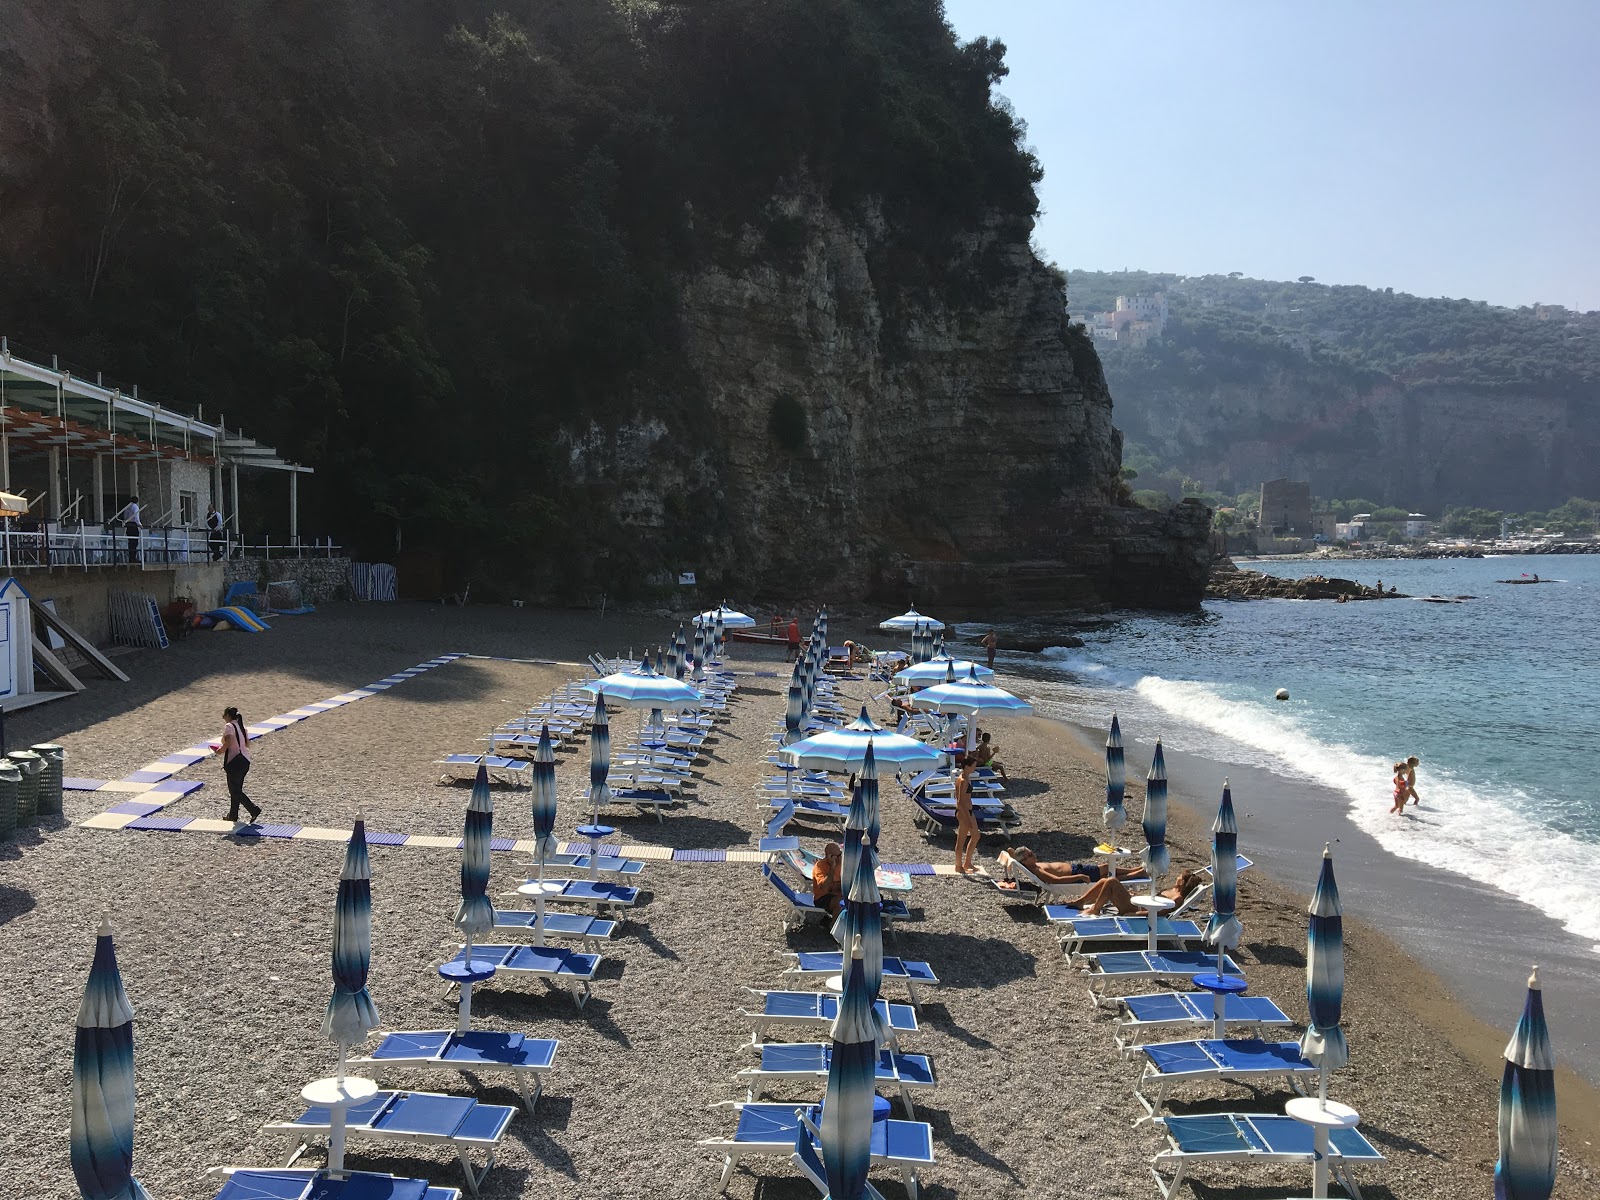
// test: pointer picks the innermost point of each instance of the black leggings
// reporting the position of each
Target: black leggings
(236, 768)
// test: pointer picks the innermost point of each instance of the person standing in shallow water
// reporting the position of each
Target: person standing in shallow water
(990, 644)
(235, 751)
(1411, 779)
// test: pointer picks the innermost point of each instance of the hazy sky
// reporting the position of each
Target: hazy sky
(1449, 148)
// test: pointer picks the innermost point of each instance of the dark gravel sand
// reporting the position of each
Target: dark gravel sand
(224, 947)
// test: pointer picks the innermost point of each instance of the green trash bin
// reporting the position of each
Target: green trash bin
(10, 779)
(30, 764)
(50, 775)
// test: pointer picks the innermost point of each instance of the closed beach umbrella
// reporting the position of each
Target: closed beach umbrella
(1323, 1042)
(1154, 822)
(1115, 816)
(718, 627)
(1223, 930)
(869, 793)
(1527, 1166)
(860, 919)
(599, 756)
(794, 715)
(544, 799)
(846, 1130)
(101, 1138)
(855, 832)
(475, 913)
(351, 1015)
(907, 621)
(845, 749)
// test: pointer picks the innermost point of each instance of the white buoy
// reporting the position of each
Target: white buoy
(1283, 693)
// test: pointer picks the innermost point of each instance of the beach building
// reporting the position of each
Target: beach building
(74, 453)
(1286, 508)
(1418, 525)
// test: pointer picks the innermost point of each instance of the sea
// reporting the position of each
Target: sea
(1498, 695)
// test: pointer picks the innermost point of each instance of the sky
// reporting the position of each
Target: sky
(1449, 148)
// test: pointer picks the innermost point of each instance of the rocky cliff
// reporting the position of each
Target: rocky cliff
(957, 450)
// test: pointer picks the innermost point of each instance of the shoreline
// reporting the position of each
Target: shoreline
(1471, 1002)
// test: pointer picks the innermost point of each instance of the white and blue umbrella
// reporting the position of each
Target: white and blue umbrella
(968, 697)
(544, 819)
(731, 618)
(475, 913)
(794, 716)
(869, 794)
(599, 756)
(845, 749)
(846, 1128)
(1115, 816)
(1323, 1042)
(351, 1015)
(860, 919)
(907, 621)
(940, 670)
(1154, 854)
(855, 833)
(101, 1138)
(1526, 1169)
(1223, 930)
(645, 688)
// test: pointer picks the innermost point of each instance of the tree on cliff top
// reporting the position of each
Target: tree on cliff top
(414, 239)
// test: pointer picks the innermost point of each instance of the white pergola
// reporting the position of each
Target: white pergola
(51, 410)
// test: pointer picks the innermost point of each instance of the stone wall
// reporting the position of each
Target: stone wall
(83, 598)
(321, 579)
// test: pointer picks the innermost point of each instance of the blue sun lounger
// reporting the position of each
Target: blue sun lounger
(603, 863)
(513, 772)
(556, 965)
(1230, 1060)
(597, 892)
(1143, 964)
(813, 1010)
(776, 842)
(901, 970)
(802, 905)
(771, 1129)
(474, 1052)
(1163, 1009)
(808, 1161)
(808, 809)
(1266, 1137)
(416, 1118)
(808, 1061)
(592, 930)
(1075, 931)
(266, 1183)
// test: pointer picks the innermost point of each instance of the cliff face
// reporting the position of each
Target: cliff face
(960, 453)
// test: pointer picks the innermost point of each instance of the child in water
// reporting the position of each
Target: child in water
(1401, 787)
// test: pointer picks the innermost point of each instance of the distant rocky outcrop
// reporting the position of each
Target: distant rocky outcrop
(1229, 582)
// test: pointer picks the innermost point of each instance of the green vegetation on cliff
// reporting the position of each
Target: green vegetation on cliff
(418, 245)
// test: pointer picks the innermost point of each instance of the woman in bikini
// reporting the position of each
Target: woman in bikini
(235, 751)
(1113, 893)
(1401, 788)
(966, 821)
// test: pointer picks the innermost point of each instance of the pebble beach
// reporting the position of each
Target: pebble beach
(223, 943)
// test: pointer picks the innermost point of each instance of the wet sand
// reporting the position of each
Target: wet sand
(224, 945)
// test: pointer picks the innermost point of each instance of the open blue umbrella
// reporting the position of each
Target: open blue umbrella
(1154, 822)
(942, 669)
(846, 1127)
(1526, 1169)
(645, 688)
(1115, 816)
(351, 1015)
(1223, 930)
(544, 819)
(907, 621)
(599, 756)
(969, 697)
(845, 748)
(101, 1140)
(475, 913)
(1323, 1042)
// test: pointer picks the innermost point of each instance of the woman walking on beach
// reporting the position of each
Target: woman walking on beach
(235, 751)
(966, 821)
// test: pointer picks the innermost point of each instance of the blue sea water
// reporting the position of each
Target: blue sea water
(1498, 696)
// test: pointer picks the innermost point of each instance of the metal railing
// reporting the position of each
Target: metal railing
(52, 544)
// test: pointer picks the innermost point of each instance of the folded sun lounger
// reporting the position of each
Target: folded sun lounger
(419, 1118)
(267, 1183)
(1267, 1137)
(1233, 1060)
(556, 965)
(808, 1062)
(814, 1010)
(1164, 1009)
(475, 1052)
(592, 930)
(1143, 964)
(771, 1129)
(902, 970)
